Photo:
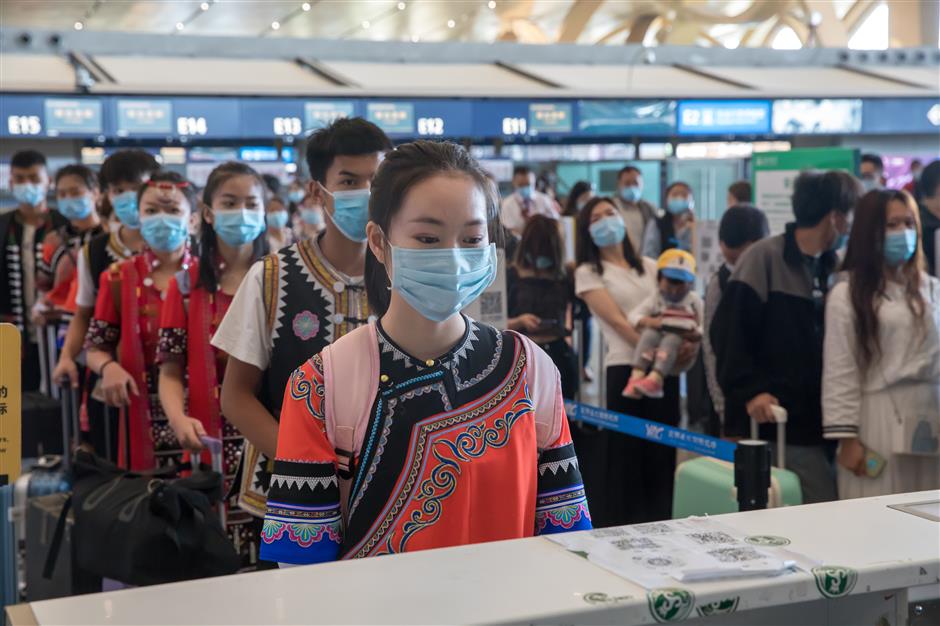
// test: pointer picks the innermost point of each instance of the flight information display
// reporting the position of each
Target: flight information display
(713, 117)
(73, 116)
(627, 117)
(550, 117)
(817, 117)
(895, 115)
(395, 118)
(206, 117)
(144, 117)
(321, 114)
(272, 117)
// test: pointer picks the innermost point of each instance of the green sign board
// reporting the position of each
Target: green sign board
(774, 173)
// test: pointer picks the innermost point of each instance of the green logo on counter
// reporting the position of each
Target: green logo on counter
(722, 607)
(670, 604)
(835, 581)
(597, 597)
(767, 540)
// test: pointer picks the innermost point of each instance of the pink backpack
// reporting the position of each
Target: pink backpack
(351, 381)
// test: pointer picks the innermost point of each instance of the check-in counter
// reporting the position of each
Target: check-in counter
(876, 556)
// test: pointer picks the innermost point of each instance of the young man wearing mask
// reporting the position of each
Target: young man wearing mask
(741, 226)
(525, 202)
(121, 176)
(872, 172)
(22, 232)
(930, 215)
(636, 213)
(296, 301)
(769, 327)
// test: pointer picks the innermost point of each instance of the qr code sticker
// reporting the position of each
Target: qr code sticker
(711, 537)
(653, 529)
(491, 303)
(736, 554)
(609, 532)
(635, 543)
(659, 561)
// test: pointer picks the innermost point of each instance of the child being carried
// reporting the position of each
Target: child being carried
(669, 316)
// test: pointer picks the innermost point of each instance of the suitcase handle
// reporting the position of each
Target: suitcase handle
(780, 417)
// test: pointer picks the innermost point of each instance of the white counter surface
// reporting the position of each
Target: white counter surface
(531, 580)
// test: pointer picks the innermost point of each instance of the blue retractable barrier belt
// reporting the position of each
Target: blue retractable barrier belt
(651, 431)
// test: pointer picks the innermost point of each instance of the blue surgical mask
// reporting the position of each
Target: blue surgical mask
(77, 208)
(239, 226)
(163, 232)
(870, 183)
(439, 282)
(277, 219)
(314, 217)
(351, 213)
(839, 243)
(296, 196)
(900, 246)
(125, 207)
(632, 193)
(544, 263)
(29, 193)
(609, 231)
(525, 192)
(678, 206)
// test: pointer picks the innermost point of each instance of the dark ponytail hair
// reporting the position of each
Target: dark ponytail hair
(208, 243)
(403, 168)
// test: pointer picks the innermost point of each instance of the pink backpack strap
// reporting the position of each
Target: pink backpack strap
(544, 383)
(350, 381)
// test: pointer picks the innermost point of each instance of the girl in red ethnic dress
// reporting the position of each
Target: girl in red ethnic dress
(462, 435)
(231, 238)
(123, 335)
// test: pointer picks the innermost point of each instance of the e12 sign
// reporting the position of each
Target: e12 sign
(717, 117)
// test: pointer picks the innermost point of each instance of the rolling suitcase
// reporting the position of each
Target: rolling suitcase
(49, 475)
(705, 486)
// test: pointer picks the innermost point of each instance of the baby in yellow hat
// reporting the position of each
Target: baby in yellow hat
(672, 314)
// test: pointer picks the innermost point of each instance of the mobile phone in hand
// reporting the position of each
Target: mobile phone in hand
(874, 463)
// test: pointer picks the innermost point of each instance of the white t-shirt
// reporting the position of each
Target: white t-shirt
(87, 291)
(513, 217)
(628, 289)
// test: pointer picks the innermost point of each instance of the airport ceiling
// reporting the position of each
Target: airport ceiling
(727, 23)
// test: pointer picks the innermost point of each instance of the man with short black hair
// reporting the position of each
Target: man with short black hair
(740, 192)
(768, 329)
(636, 212)
(872, 172)
(525, 202)
(22, 231)
(741, 226)
(295, 302)
(930, 215)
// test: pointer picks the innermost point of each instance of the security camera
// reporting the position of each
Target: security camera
(55, 40)
(25, 39)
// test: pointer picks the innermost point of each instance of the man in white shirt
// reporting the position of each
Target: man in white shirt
(636, 212)
(525, 202)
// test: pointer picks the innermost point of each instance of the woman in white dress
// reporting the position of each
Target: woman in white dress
(881, 376)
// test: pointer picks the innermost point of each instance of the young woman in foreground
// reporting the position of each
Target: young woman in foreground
(425, 429)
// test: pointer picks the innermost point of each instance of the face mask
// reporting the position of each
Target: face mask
(276, 219)
(438, 283)
(312, 217)
(678, 206)
(839, 243)
(580, 205)
(351, 213)
(631, 194)
(76, 208)
(29, 193)
(900, 246)
(915, 176)
(164, 233)
(608, 232)
(296, 196)
(125, 207)
(239, 226)
(673, 298)
(870, 183)
(544, 263)
(525, 192)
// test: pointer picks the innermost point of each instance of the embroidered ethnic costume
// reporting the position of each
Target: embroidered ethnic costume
(190, 317)
(449, 457)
